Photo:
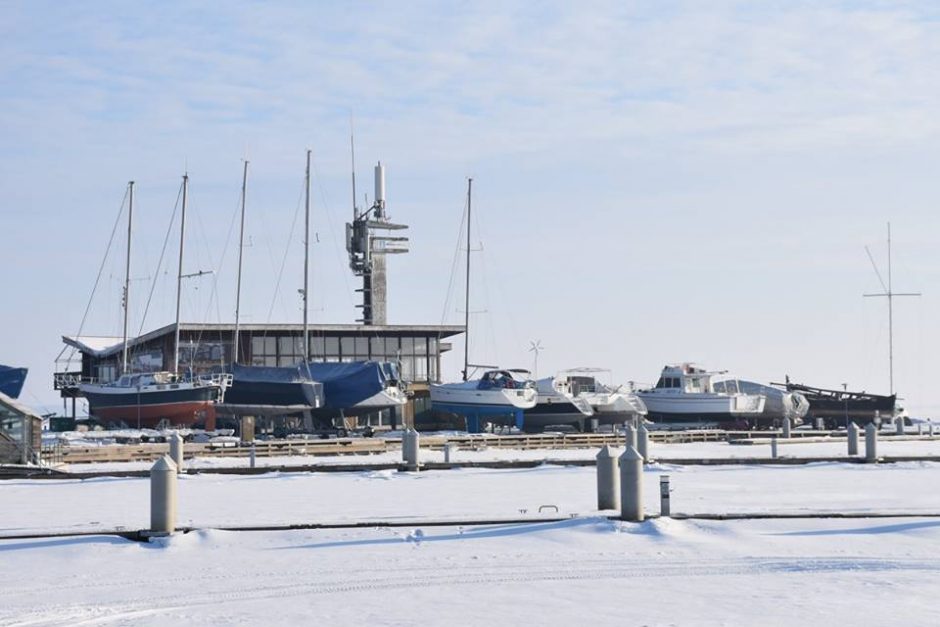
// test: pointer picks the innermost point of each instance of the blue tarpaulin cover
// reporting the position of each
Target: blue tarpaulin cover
(11, 380)
(271, 374)
(345, 384)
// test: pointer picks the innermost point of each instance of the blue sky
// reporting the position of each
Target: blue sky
(654, 182)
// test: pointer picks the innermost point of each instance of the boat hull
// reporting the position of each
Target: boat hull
(12, 380)
(701, 409)
(299, 393)
(181, 407)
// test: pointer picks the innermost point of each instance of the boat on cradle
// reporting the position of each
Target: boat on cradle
(499, 397)
(259, 390)
(12, 380)
(358, 387)
(684, 397)
(576, 397)
(155, 399)
(838, 407)
(780, 404)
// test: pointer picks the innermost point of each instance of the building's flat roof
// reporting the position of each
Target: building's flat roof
(106, 346)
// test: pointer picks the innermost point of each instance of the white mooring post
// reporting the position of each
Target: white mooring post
(176, 450)
(920, 428)
(820, 424)
(899, 425)
(773, 447)
(449, 452)
(871, 443)
(643, 442)
(629, 436)
(786, 427)
(608, 480)
(930, 427)
(410, 445)
(853, 438)
(163, 496)
(251, 455)
(665, 509)
(631, 485)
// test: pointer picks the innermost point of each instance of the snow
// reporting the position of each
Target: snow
(813, 571)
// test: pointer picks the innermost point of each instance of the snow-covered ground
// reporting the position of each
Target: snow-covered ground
(584, 569)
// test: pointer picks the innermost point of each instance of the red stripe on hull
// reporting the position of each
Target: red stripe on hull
(149, 416)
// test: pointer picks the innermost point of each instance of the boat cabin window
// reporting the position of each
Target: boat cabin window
(693, 384)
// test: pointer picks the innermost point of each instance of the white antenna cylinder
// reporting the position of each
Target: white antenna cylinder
(380, 184)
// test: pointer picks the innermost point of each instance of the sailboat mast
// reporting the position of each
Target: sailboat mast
(179, 278)
(127, 272)
(307, 259)
(466, 321)
(241, 247)
(890, 320)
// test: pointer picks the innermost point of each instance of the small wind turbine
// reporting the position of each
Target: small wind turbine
(536, 347)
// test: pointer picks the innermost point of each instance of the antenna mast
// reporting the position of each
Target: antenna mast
(466, 322)
(241, 246)
(127, 273)
(889, 294)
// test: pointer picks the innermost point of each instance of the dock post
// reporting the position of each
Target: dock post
(853, 438)
(665, 508)
(920, 428)
(786, 428)
(608, 480)
(629, 436)
(773, 447)
(449, 452)
(247, 429)
(176, 450)
(871, 443)
(163, 496)
(643, 442)
(930, 427)
(631, 485)
(899, 425)
(410, 443)
(251, 455)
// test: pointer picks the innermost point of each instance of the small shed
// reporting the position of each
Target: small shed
(20, 432)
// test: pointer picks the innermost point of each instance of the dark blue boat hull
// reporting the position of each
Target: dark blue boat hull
(12, 380)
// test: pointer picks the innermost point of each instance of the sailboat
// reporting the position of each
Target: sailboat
(154, 399)
(498, 394)
(273, 390)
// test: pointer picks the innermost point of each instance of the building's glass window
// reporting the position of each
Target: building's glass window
(147, 361)
(107, 373)
(331, 348)
(263, 351)
(347, 348)
(290, 350)
(362, 348)
(317, 348)
(204, 356)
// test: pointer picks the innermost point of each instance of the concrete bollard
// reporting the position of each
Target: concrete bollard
(820, 424)
(899, 425)
(871, 443)
(629, 436)
(920, 428)
(773, 447)
(853, 438)
(665, 509)
(930, 427)
(410, 445)
(163, 496)
(176, 450)
(631, 485)
(608, 480)
(251, 455)
(643, 442)
(786, 427)
(449, 450)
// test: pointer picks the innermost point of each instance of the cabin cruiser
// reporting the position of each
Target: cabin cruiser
(576, 397)
(499, 395)
(780, 404)
(157, 399)
(684, 397)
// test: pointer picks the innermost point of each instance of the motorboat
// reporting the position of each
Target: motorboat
(496, 395)
(684, 397)
(577, 397)
(779, 405)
